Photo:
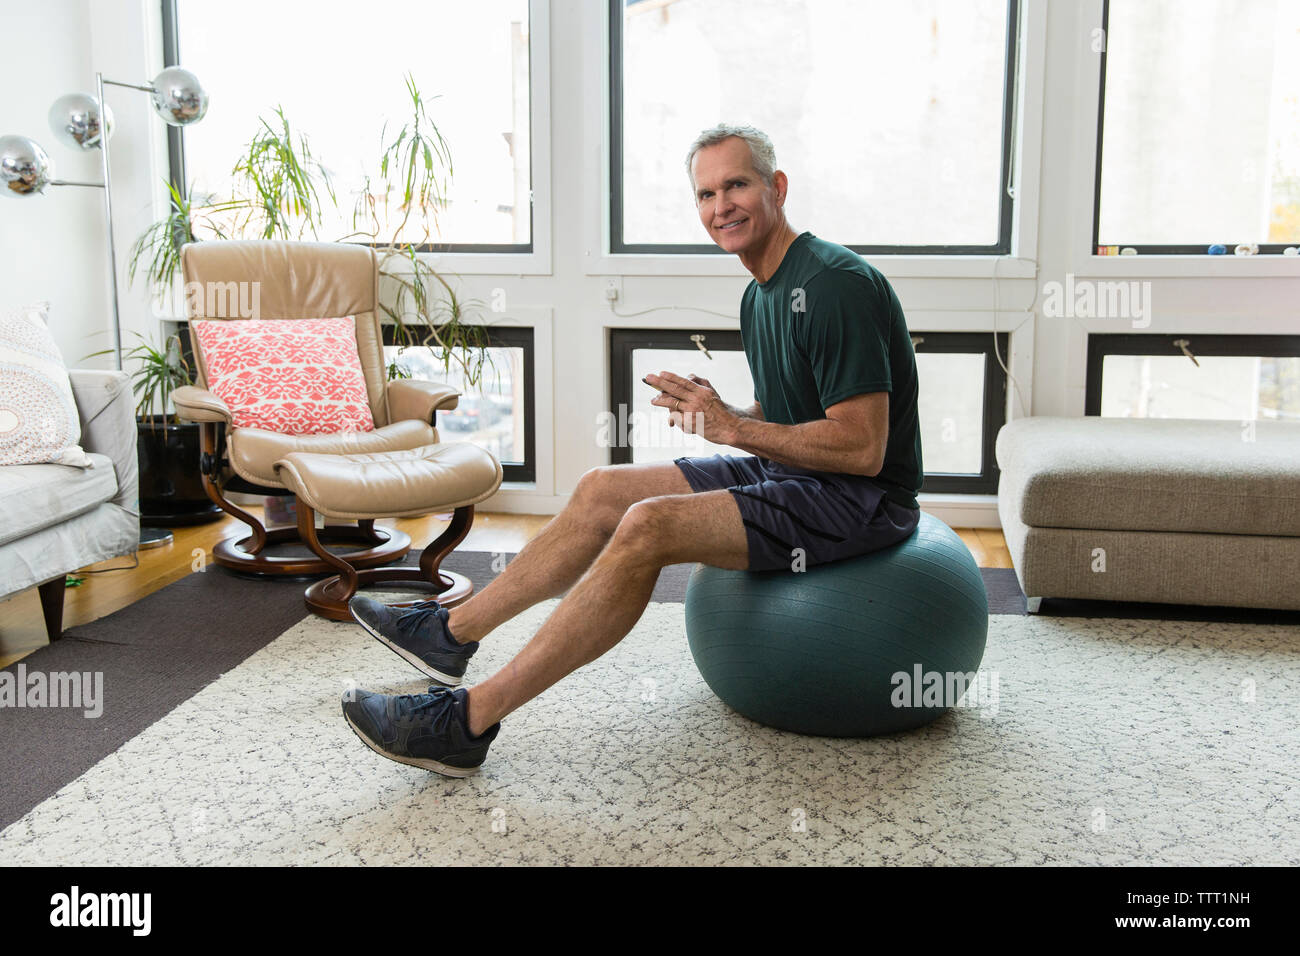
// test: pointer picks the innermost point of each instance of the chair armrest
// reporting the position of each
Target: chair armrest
(197, 405)
(107, 411)
(412, 398)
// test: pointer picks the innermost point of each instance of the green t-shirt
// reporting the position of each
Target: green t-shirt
(825, 327)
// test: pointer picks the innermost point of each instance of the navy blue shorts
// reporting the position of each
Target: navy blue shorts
(828, 516)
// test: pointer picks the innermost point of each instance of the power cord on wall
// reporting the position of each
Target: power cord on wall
(997, 350)
(670, 308)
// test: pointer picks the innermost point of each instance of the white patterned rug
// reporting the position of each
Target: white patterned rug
(1113, 742)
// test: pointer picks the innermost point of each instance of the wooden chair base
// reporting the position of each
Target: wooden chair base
(248, 555)
(329, 598)
(386, 546)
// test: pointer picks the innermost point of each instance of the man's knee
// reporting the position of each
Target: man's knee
(646, 526)
(596, 499)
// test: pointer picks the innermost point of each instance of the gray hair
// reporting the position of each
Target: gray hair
(762, 154)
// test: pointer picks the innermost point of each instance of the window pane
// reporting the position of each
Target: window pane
(951, 407)
(1201, 138)
(490, 414)
(1224, 387)
(650, 435)
(338, 71)
(887, 116)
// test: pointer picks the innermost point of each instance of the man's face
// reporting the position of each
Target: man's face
(737, 208)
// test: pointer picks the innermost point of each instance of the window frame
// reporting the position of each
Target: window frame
(993, 413)
(508, 336)
(1214, 345)
(623, 341)
(1149, 249)
(1007, 191)
(530, 249)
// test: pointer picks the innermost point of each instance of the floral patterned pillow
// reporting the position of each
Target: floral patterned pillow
(38, 416)
(292, 376)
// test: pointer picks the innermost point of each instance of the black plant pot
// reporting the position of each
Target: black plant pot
(171, 487)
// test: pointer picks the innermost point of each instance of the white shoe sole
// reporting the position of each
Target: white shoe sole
(424, 763)
(412, 659)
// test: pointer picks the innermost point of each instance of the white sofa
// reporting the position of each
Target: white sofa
(56, 518)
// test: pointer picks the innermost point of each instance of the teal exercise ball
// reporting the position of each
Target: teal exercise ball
(851, 648)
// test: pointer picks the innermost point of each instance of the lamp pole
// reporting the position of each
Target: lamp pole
(106, 166)
(82, 121)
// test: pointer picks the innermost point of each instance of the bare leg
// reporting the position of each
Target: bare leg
(551, 563)
(612, 595)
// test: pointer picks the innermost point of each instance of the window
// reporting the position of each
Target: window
(1232, 377)
(1200, 111)
(637, 431)
(339, 74)
(962, 401)
(497, 413)
(893, 120)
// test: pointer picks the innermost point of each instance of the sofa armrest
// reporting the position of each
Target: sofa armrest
(107, 411)
(199, 405)
(412, 398)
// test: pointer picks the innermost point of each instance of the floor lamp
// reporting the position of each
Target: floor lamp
(85, 122)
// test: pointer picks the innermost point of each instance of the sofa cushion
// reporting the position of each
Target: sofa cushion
(33, 497)
(38, 417)
(293, 376)
(1129, 474)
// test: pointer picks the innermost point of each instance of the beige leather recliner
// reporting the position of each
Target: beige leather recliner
(297, 280)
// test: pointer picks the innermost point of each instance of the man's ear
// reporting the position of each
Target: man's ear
(781, 183)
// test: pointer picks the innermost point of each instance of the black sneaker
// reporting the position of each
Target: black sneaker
(418, 634)
(424, 730)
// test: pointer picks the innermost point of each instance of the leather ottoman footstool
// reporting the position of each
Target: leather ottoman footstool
(452, 476)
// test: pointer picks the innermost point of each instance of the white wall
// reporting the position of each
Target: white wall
(560, 288)
(52, 246)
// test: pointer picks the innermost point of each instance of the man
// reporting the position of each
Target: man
(833, 468)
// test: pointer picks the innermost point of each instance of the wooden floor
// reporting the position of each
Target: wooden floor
(22, 629)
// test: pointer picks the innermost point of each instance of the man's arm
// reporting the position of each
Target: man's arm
(849, 440)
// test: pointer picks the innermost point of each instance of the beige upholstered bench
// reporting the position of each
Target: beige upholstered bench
(1164, 510)
(452, 476)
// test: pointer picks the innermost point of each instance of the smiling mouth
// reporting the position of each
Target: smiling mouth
(736, 224)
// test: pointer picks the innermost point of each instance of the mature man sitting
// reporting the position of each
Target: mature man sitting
(833, 469)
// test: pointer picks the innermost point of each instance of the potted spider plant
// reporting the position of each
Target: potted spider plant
(171, 486)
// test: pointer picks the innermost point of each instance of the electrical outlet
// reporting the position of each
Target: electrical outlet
(613, 289)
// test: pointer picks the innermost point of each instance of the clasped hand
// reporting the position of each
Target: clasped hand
(694, 406)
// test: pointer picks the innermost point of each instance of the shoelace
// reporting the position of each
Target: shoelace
(420, 611)
(418, 707)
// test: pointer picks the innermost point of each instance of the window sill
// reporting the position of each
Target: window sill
(1191, 267)
(938, 267)
(518, 486)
